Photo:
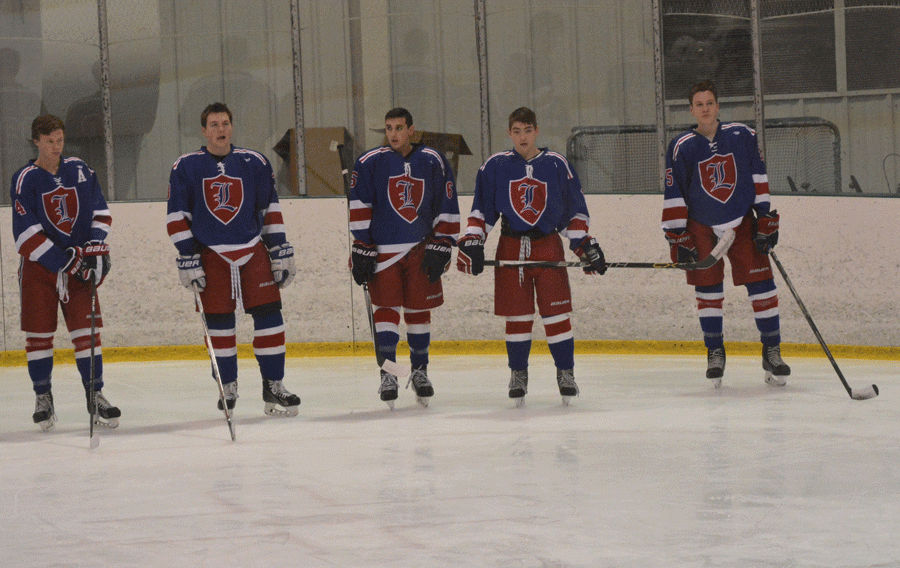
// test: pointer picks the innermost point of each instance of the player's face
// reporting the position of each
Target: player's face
(524, 138)
(398, 134)
(705, 109)
(218, 133)
(50, 147)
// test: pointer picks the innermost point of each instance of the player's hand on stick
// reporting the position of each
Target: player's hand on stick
(190, 270)
(283, 269)
(363, 260)
(589, 251)
(682, 246)
(471, 255)
(437, 258)
(76, 258)
(767, 232)
(96, 263)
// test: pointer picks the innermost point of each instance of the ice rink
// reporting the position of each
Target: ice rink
(649, 467)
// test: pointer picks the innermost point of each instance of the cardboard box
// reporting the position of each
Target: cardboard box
(451, 145)
(323, 165)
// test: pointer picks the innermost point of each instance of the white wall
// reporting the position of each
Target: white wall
(842, 254)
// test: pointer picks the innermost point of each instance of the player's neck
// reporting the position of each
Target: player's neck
(48, 164)
(404, 150)
(708, 130)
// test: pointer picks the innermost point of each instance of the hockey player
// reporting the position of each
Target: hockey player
(404, 217)
(58, 214)
(538, 199)
(716, 180)
(225, 220)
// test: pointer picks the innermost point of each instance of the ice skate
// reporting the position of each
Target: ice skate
(776, 369)
(388, 388)
(715, 365)
(518, 386)
(565, 378)
(44, 414)
(107, 414)
(424, 389)
(231, 395)
(275, 395)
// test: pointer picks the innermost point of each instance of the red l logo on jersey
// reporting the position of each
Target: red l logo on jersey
(61, 208)
(528, 198)
(405, 194)
(718, 177)
(224, 196)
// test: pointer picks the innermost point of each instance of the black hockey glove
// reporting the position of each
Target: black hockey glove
(682, 247)
(437, 259)
(363, 260)
(767, 232)
(589, 251)
(96, 264)
(471, 255)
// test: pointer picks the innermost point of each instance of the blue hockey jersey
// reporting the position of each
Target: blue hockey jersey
(52, 212)
(542, 193)
(396, 202)
(715, 182)
(225, 204)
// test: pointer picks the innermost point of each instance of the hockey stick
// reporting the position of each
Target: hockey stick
(92, 393)
(718, 252)
(215, 366)
(384, 363)
(861, 394)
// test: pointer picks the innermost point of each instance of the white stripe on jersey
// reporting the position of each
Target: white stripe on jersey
(252, 153)
(21, 179)
(506, 153)
(436, 155)
(564, 161)
(175, 165)
(370, 153)
(681, 141)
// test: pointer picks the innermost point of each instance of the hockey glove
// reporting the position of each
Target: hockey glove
(76, 258)
(363, 261)
(96, 264)
(682, 247)
(283, 269)
(589, 251)
(471, 255)
(767, 232)
(190, 270)
(437, 259)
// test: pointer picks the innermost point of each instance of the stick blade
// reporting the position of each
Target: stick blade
(95, 440)
(865, 393)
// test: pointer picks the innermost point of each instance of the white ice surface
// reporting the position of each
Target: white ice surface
(648, 467)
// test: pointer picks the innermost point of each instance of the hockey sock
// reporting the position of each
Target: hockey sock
(224, 344)
(561, 340)
(81, 340)
(518, 341)
(764, 299)
(418, 335)
(268, 344)
(387, 329)
(709, 308)
(39, 352)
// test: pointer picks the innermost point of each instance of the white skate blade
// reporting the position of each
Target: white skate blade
(423, 401)
(111, 423)
(774, 380)
(717, 382)
(47, 425)
(566, 400)
(390, 404)
(520, 402)
(272, 409)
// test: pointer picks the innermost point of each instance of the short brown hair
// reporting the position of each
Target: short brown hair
(45, 124)
(399, 112)
(524, 115)
(702, 86)
(215, 107)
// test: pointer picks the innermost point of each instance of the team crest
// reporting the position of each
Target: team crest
(405, 193)
(61, 208)
(528, 198)
(224, 196)
(718, 177)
